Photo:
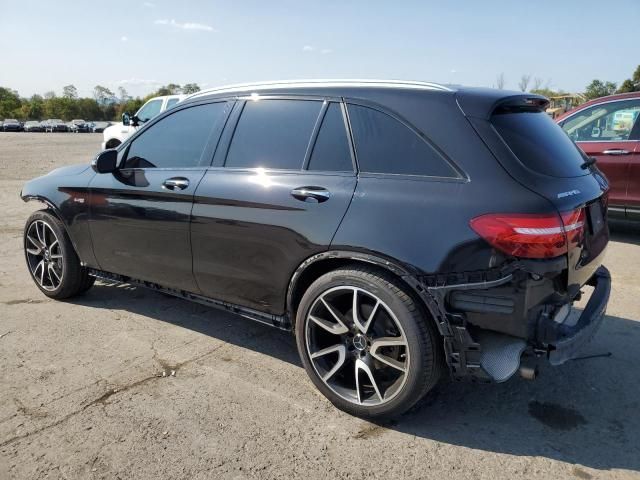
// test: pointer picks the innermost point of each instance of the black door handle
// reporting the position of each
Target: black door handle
(311, 194)
(176, 183)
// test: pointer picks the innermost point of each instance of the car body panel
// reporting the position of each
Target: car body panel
(135, 222)
(65, 190)
(249, 233)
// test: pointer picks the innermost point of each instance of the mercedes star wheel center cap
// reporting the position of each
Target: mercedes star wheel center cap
(360, 342)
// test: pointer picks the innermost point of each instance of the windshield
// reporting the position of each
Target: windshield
(540, 144)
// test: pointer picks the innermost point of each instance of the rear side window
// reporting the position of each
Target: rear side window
(273, 134)
(171, 102)
(176, 141)
(331, 151)
(539, 143)
(385, 145)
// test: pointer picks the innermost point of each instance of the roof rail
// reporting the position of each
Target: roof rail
(321, 83)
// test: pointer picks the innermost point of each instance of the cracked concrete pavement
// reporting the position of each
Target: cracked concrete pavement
(127, 383)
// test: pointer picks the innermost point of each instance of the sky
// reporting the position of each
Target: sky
(141, 45)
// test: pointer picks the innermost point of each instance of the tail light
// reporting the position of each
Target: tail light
(531, 236)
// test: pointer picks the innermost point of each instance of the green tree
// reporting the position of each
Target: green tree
(631, 84)
(9, 103)
(188, 88)
(598, 88)
(70, 91)
(627, 86)
(103, 95)
(32, 109)
(171, 89)
(131, 106)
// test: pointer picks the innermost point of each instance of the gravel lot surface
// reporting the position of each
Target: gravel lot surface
(128, 383)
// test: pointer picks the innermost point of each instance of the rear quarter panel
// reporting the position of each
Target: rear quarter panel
(423, 222)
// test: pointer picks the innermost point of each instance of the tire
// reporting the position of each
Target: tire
(391, 340)
(51, 259)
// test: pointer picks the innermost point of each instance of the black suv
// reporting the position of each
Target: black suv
(400, 229)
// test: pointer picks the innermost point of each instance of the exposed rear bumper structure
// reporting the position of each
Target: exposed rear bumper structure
(487, 353)
(567, 340)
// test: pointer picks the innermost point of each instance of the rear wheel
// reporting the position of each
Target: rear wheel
(365, 343)
(51, 258)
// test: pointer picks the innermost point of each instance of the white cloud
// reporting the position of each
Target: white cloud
(149, 4)
(185, 25)
(124, 38)
(311, 48)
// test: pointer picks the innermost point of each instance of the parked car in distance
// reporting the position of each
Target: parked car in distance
(401, 230)
(33, 126)
(11, 125)
(79, 126)
(117, 133)
(56, 125)
(608, 130)
(98, 127)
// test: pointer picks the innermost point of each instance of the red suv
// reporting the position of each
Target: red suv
(608, 129)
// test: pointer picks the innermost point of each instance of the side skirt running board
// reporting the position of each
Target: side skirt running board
(279, 321)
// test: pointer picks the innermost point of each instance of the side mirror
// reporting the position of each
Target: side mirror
(126, 119)
(135, 121)
(105, 161)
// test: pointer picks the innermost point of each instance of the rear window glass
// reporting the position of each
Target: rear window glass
(540, 144)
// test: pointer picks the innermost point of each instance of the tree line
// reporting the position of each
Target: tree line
(108, 105)
(596, 89)
(104, 104)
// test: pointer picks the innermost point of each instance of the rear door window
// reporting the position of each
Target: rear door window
(539, 143)
(273, 134)
(332, 152)
(385, 145)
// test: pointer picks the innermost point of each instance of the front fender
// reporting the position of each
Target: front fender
(65, 193)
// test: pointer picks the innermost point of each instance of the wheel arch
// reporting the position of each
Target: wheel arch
(317, 265)
(53, 210)
(112, 142)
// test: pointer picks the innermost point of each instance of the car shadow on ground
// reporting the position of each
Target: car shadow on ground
(585, 412)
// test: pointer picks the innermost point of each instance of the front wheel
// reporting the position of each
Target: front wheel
(51, 258)
(366, 344)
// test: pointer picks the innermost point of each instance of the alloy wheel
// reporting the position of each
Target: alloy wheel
(44, 255)
(357, 346)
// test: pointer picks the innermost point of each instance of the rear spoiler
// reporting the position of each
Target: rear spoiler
(484, 102)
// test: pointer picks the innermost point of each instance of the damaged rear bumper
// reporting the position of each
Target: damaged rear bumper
(567, 340)
(489, 325)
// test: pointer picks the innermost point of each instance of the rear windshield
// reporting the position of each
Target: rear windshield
(539, 143)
